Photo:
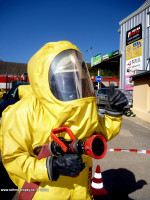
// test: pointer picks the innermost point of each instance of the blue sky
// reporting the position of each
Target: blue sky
(26, 25)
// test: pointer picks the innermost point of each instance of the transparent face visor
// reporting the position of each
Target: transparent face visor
(69, 78)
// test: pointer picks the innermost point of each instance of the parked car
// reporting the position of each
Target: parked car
(2, 92)
(129, 95)
(102, 97)
(11, 97)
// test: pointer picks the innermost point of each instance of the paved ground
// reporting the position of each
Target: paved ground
(126, 175)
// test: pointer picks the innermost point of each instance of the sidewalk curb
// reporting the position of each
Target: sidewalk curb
(138, 121)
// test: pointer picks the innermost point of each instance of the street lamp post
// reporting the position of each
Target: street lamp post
(6, 81)
(92, 48)
(98, 75)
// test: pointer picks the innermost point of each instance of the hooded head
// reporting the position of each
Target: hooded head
(60, 80)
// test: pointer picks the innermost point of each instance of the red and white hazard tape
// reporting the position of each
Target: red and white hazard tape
(130, 150)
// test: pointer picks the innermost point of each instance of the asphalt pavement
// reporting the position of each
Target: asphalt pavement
(126, 175)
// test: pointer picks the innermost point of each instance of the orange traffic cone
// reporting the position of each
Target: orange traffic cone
(97, 183)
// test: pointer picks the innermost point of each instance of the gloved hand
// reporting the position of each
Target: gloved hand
(117, 101)
(66, 165)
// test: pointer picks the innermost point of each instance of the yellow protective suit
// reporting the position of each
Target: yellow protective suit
(28, 124)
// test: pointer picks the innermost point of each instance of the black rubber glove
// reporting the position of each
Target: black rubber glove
(117, 101)
(66, 165)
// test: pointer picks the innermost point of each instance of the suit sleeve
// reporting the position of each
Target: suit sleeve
(17, 148)
(109, 126)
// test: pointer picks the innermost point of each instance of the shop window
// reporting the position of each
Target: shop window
(114, 82)
(148, 19)
(106, 83)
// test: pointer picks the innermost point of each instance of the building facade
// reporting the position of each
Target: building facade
(12, 68)
(134, 45)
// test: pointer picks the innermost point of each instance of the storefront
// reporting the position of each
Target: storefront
(106, 81)
(141, 95)
(134, 45)
(108, 63)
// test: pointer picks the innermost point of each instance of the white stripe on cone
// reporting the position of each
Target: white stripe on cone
(97, 185)
(98, 175)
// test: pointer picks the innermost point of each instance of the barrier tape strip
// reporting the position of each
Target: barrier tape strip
(130, 150)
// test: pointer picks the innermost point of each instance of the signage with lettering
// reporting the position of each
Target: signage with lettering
(133, 53)
(134, 34)
(96, 60)
(98, 79)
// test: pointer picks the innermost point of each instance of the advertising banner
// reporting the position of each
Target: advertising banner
(133, 54)
(133, 57)
(96, 60)
(110, 55)
(134, 34)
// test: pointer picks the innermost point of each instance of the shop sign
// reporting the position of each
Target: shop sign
(134, 34)
(105, 57)
(114, 53)
(134, 57)
(110, 55)
(96, 60)
(133, 54)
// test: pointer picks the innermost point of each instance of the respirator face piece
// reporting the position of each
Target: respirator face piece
(68, 76)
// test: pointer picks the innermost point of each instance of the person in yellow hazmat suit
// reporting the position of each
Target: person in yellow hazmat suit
(61, 95)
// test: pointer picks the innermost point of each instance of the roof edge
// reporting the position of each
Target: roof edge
(140, 9)
(141, 75)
